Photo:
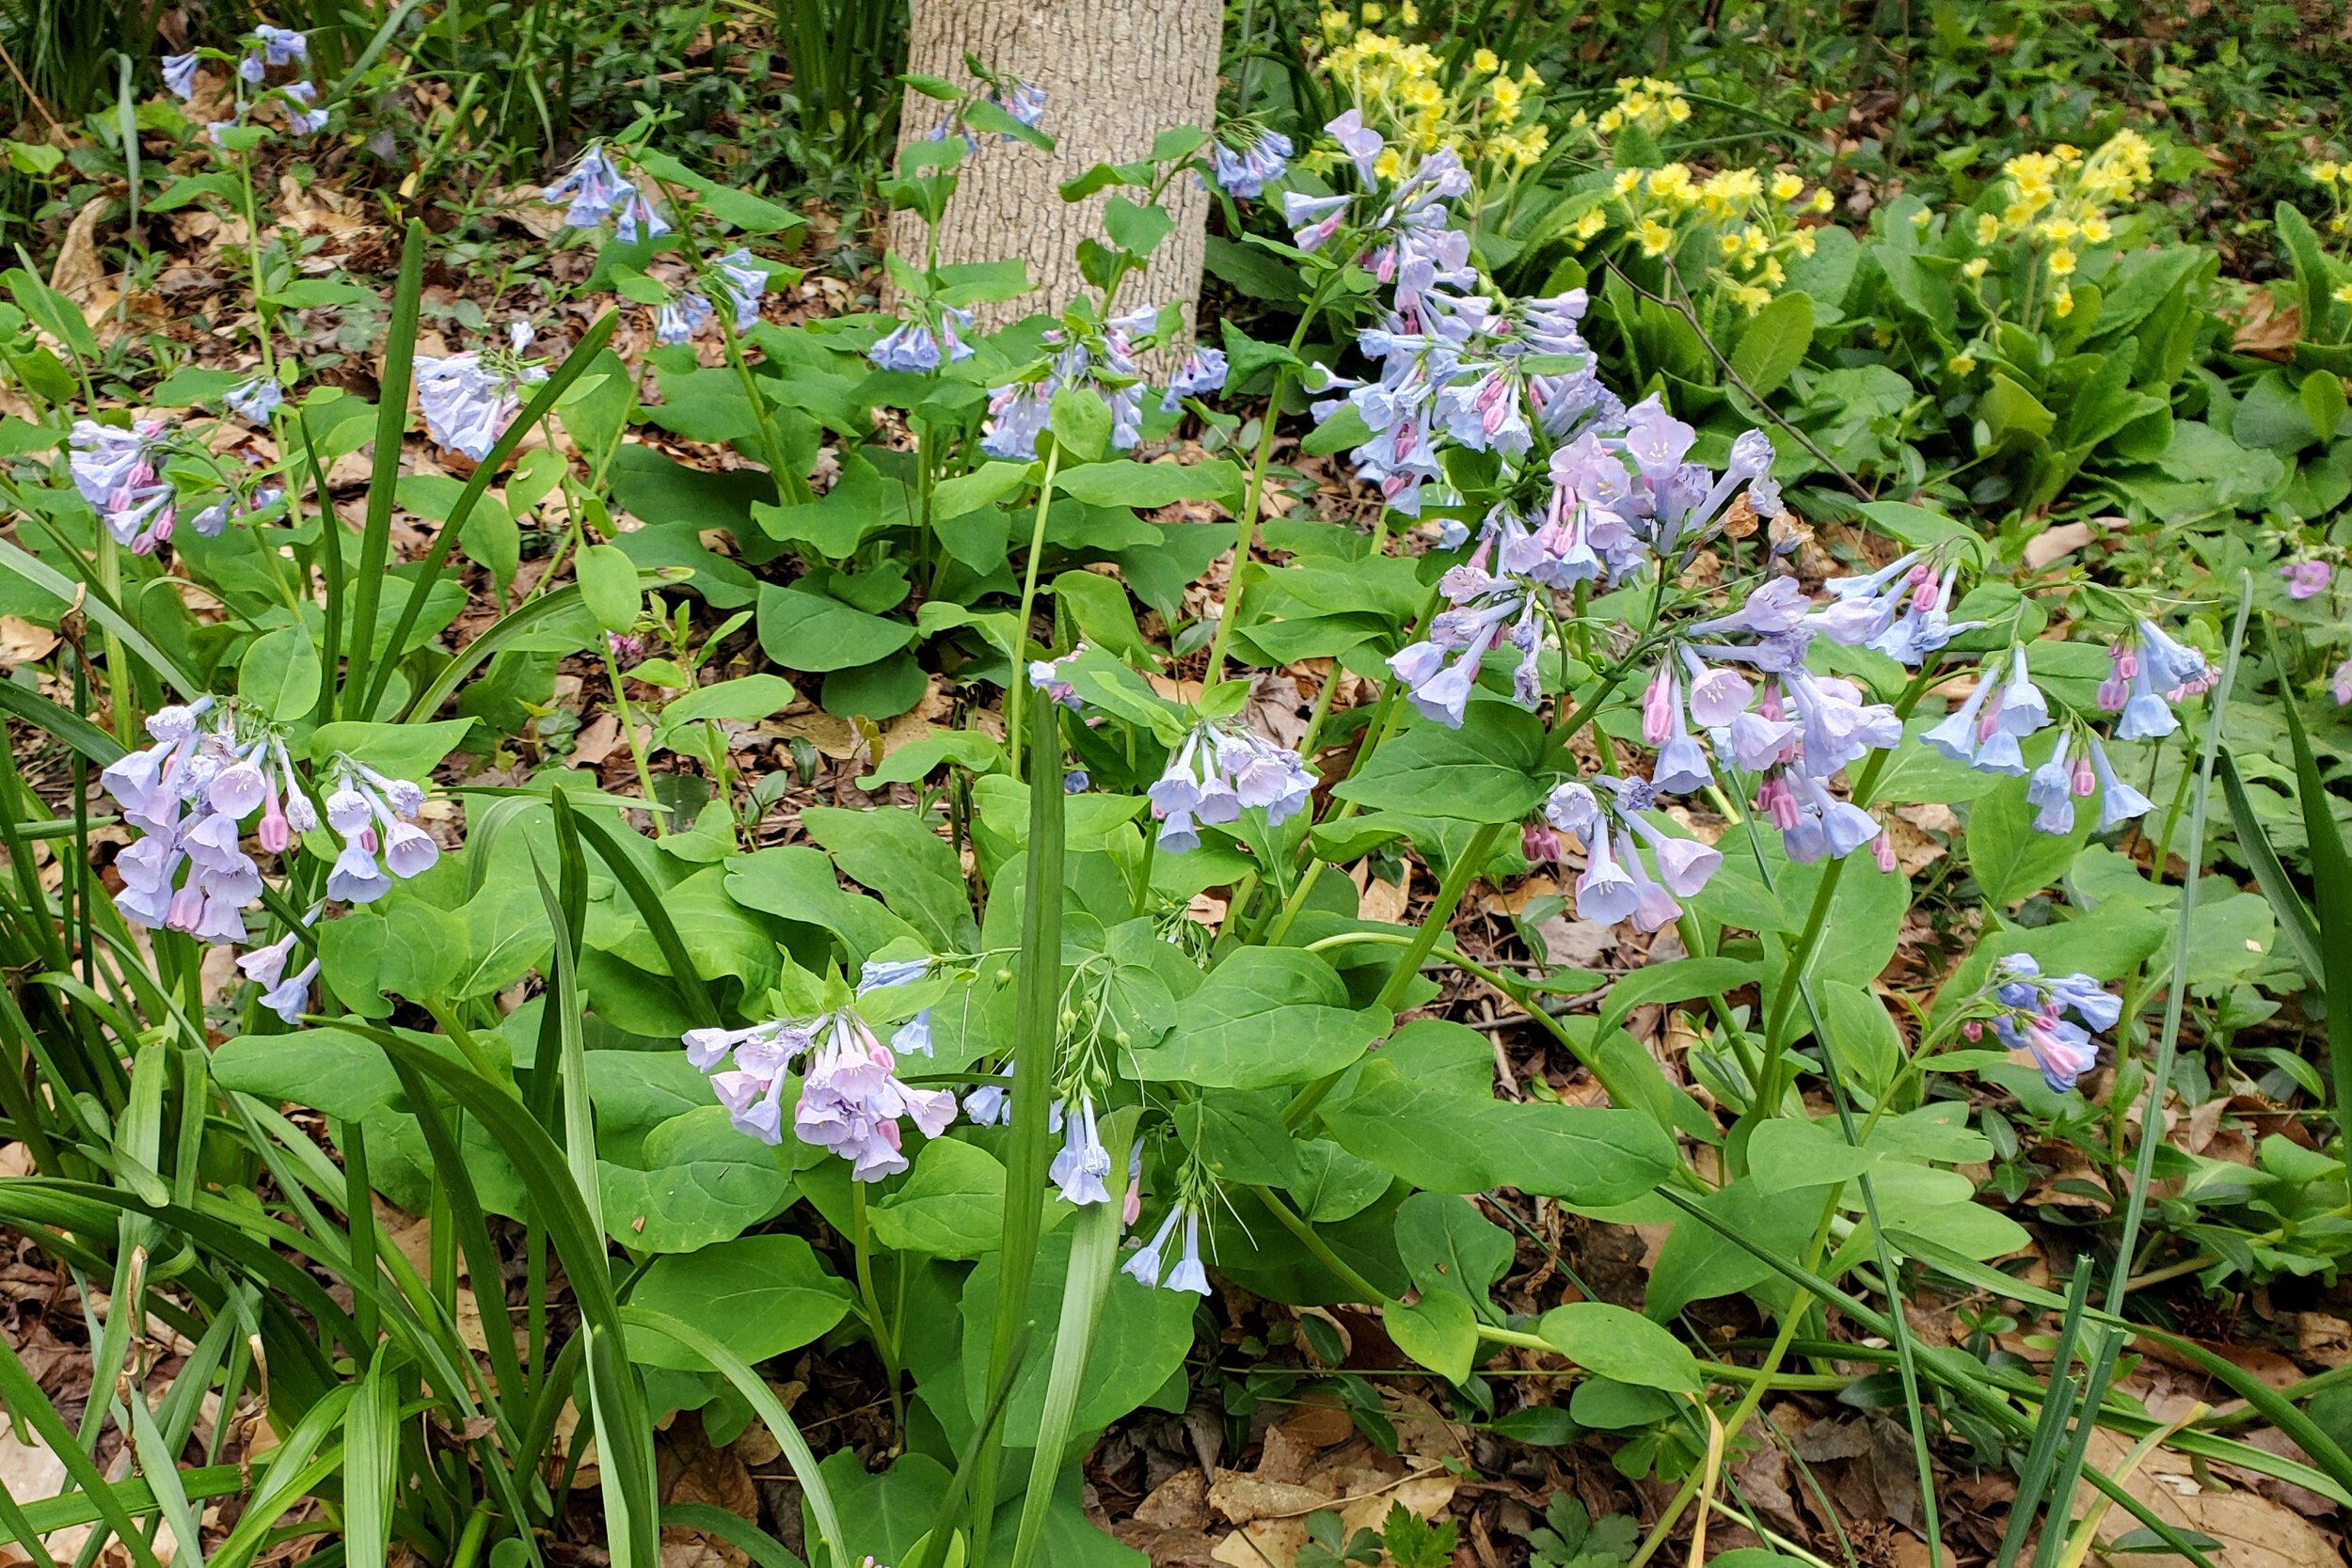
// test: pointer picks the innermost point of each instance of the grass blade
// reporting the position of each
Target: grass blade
(733, 1529)
(507, 628)
(765, 1404)
(391, 427)
(2331, 883)
(371, 1444)
(1093, 1245)
(2296, 922)
(626, 871)
(32, 708)
(429, 572)
(103, 610)
(1036, 1009)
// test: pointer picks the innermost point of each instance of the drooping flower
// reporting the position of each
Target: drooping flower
(1242, 171)
(2030, 1017)
(1080, 1167)
(594, 188)
(1203, 371)
(281, 45)
(256, 400)
(680, 319)
(469, 398)
(180, 75)
(116, 468)
(851, 1099)
(1218, 773)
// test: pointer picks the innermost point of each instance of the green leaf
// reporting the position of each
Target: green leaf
(1081, 421)
(896, 855)
(797, 883)
(757, 1295)
(608, 586)
(1621, 1345)
(1698, 1264)
(918, 759)
(951, 1205)
(1439, 1331)
(803, 629)
(1099, 607)
(1786, 1153)
(703, 1183)
(1266, 1015)
(1127, 482)
(396, 751)
(279, 675)
(2009, 859)
(1449, 1247)
(1483, 772)
(1240, 1137)
(744, 699)
(1773, 343)
(1141, 1339)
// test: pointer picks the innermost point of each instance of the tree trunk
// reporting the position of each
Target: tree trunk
(1115, 73)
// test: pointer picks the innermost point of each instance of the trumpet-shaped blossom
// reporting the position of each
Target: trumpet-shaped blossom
(469, 398)
(2306, 579)
(116, 469)
(1203, 371)
(1215, 774)
(254, 401)
(1082, 1163)
(1244, 171)
(2030, 1017)
(180, 75)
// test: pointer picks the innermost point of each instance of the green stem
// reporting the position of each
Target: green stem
(628, 730)
(886, 1337)
(1017, 679)
(1245, 530)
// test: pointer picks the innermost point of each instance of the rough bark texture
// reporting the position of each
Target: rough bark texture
(1116, 73)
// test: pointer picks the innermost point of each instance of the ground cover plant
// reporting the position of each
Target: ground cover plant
(1633, 855)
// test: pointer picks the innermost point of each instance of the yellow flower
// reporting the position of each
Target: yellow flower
(1786, 186)
(1921, 218)
(2097, 231)
(2343, 295)
(1960, 364)
(1988, 228)
(1485, 62)
(1389, 166)
(1729, 244)
(1974, 267)
(1750, 298)
(1335, 24)
(1677, 111)
(1408, 13)
(2325, 172)
(2061, 263)
(1822, 201)
(1775, 273)
(1627, 178)
(1655, 237)
(2336, 224)
(2063, 306)
(1592, 223)
(1880, 337)
(1802, 242)
(1373, 13)
(1611, 119)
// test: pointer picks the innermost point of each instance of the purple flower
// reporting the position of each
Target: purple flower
(1203, 371)
(254, 401)
(2339, 684)
(1243, 172)
(1188, 1275)
(180, 75)
(744, 282)
(2051, 790)
(1079, 1168)
(852, 1100)
(1146, 1266)
(2119, 802)
(305, 120)
(883, 974)
(2306, 579)
(681, 318)
(594, 188)
(282, 45)
(116, 469)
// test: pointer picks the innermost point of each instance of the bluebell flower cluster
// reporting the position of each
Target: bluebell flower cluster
(1248, 159)
(2046, 1021)
(919, 345)
(189, 794)
(1612, 826)
(737, 277)
(1218, 773)
(1101, 361)
(469, 398)
(118, 469)
(595, 190)
(851, 1097)
(266, 48)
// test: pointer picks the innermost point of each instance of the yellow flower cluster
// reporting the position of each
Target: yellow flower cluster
(1490, 119)
(2336, 179)
(1646, 102)
(1751, 214)
(2066, 199)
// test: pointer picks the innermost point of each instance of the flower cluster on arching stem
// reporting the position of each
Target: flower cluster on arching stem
(2045, 1022)
(189, 792)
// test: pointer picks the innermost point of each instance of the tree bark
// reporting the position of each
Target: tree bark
(1115, 73)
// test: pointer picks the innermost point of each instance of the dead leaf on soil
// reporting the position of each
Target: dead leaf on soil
(2265, 330)
(2254, 1531)
(22, 642)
